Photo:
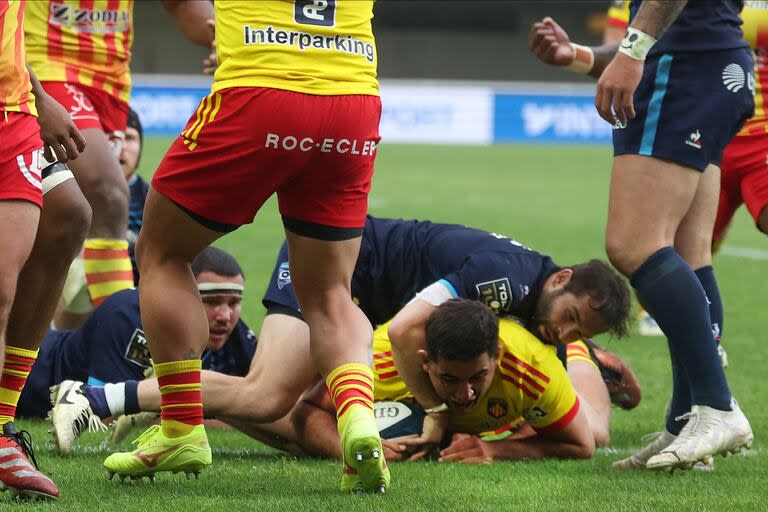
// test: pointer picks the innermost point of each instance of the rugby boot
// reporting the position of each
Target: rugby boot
(623, 386)
(71, 415)
(364, 466)
(18, 475)
(658, 441)
(155, 452)
(708, 432)
(646, 324)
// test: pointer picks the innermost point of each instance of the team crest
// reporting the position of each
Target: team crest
(283, 276)
(497, 294)
(497, 408)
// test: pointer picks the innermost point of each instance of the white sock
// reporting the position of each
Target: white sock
(115, 395)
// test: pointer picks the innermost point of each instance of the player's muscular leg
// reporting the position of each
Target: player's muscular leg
(321, 273)
(101, 179)
(594, 399)
(63, 226)
(172, 313)
(19, 224)
(649, 198)
(264, 394)
(693, 240)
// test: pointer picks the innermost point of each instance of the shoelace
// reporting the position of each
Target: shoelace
(694, 425)
(87, 421)
(24, 440)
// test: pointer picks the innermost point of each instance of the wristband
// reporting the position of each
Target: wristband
(434, 410)
(636, 44)
(583, 59)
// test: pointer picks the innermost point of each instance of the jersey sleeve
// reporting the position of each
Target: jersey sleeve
(496, 279)
(118, 349)
(618, 14)
(557, 404)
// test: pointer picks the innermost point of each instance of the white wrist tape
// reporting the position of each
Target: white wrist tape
(636, 44)
(583, 59)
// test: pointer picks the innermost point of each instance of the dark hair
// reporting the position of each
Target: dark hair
(212, 259)
(135, 123)
(462, 330)
(608, 292)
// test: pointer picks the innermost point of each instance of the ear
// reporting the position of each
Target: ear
(424, 360)
(562, 277)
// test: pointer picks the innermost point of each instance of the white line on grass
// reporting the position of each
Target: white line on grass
(745, 252)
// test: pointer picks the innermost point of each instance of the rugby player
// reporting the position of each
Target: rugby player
(29, 118)
(75, 302)
(492, 374)
(294, 110)
(668, 150)
(397, 260)
(81, 51)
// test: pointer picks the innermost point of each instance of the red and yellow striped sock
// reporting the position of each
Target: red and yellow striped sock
(181, 397)
(107, 268)
(18, 364)
(578, 351)
(351, 387)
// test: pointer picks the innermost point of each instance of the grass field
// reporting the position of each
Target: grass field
(554, 199)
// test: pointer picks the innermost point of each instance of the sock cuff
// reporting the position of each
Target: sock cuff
(348, 370)
(654, 268)
(21, 352)
(174, 367)
(704, 271)
(106, 243)
(132, 397)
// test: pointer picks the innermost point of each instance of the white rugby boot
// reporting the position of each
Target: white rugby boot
(660, 441)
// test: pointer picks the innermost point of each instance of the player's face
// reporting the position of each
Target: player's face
(130, 152)
(222, 309)
(562, 317)
(461, 383)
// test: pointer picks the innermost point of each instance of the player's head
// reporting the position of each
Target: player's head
(582, 301)
(462, 352)
(221, 283)
(134, 140)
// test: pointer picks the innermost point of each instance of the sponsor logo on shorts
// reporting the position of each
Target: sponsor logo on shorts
(734, 77)
(497, 294)
(342, 146)
(694, 139)
(315, 12)
(283, 276)
(93, 21)
(305, 41)
(497, 408)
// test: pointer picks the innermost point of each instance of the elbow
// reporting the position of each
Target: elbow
(397, 333)
(585, 450)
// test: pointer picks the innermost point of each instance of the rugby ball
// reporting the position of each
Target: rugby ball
(398, 420)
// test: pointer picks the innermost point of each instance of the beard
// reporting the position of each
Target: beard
(541, 316)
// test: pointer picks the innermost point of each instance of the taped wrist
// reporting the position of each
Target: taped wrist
(583, 59)
(636, 44)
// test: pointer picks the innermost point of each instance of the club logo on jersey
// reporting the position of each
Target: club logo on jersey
(734, 77)
(497, 408)
(694, 139)
(497, 294)
(321, 13)
(283, 276)
(97, 21)
(138, 350)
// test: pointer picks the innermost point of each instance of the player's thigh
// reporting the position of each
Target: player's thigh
(754, 190)
(693, 239)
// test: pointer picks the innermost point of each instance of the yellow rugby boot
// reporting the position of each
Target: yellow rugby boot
(155, 453)
(365, 469)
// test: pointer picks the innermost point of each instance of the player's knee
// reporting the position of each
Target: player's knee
(331, 302)
(109, 199)
(65, 221)
(619, 254)
(602, 437)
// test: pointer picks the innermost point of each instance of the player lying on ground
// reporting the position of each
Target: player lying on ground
(492, 374)
(397, 259)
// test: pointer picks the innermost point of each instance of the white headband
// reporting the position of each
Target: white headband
(220, 288)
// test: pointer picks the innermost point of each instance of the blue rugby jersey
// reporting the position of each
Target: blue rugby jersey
(139, 190)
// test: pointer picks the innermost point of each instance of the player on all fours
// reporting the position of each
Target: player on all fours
(294, 110)
(677, 89)
(81, 51)
(744, 168)
(75, 304)
(492, 375)
(29, 272)
(398, 259)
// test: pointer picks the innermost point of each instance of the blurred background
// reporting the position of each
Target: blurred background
(451, 72)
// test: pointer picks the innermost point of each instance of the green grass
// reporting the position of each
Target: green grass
(552, 198)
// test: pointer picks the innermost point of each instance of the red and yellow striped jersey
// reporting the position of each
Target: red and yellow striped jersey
(755, 27)
(15, 87)
(321, 47)
(530, 381)
(86, 42)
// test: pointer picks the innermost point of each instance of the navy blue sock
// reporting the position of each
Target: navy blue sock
(131, 397)
(673, 295)
(707, 279)
(681, 397)
(98, 400)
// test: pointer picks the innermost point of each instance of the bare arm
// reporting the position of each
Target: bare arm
(192, 17)
(655, 16)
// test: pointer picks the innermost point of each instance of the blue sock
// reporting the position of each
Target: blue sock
(681, 397)
(673, 295)
(707, 279)
(98, 400)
